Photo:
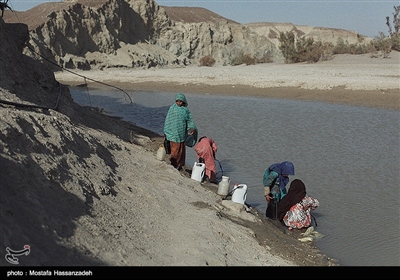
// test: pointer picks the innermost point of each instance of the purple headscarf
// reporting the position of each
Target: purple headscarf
(284, 168)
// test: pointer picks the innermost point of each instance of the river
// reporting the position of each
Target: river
(347, 156)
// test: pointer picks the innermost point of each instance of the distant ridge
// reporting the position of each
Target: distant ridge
(193, 15)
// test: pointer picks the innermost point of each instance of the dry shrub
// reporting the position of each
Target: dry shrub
(242, 58)
(249, 60)
(207, 61)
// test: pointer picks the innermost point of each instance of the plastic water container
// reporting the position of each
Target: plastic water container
(198, 171)
(161, 153)
(239, 193)
(223, 186)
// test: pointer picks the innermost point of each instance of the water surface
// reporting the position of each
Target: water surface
(348, 157)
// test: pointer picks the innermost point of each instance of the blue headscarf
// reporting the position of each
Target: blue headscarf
(284, 168)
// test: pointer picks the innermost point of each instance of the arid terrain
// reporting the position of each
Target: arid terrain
(85, 189)
(347, 79)
(86, 34)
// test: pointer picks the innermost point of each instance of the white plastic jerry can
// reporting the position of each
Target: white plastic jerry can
(239, 193)
(198, 171)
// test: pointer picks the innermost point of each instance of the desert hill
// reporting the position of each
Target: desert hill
(193, 14)
(89, 34)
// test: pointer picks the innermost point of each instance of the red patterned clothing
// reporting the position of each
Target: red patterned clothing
(299, 215)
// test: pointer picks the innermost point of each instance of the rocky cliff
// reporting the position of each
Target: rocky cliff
(89, 34)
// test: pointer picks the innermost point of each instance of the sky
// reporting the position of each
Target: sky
(366, 17)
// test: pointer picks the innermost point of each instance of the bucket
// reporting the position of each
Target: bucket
(161, 153)
(198, 171)
(190, 141)
(223, 186)
(239, 193)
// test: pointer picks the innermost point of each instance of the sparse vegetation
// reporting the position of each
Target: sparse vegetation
(386, 44)
(383, 43)
(307, 50)
(301, 49)
(267, 56)
(361, 47)
(248, 59)
(207, 61)
(243, 58)
(394, 32)
(304, 49)
(237, 59)
(296, 47)
(287, 45)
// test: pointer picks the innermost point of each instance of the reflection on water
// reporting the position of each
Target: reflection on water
(348, 157)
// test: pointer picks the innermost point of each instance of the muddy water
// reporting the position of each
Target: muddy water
(348, 157)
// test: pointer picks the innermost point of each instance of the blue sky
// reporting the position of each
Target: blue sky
(365, 17)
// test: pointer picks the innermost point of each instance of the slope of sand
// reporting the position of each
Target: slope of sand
(348, 79)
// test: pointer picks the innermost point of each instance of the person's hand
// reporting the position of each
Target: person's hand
(268, 198)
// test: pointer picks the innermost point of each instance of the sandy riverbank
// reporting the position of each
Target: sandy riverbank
(346, 79)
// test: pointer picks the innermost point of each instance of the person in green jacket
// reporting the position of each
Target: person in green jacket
(275, 179)
(178, 126)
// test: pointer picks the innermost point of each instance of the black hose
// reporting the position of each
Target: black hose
(220, 167)
(232, 191)
(84, 77)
